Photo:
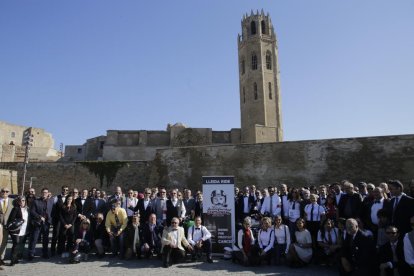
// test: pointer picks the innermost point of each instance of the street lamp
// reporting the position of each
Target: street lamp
(27, 142)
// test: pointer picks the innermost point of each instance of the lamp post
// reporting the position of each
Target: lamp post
(28, 142)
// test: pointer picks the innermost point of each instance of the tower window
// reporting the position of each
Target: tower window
(13, 134)
(263, 27)
(243, 68)
(268, 60)
(244, 96)
(254, 62)
(253, 27)
(255, 91)
(270, 91)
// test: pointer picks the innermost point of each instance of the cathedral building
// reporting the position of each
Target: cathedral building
(260, 107)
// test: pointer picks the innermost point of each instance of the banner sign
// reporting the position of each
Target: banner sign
(218, 210)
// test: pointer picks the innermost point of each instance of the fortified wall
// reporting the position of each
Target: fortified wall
(314, 162)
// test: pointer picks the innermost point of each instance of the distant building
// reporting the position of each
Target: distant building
(12, 148)
(260, 107)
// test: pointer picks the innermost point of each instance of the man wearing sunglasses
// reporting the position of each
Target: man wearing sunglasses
(145, 206)
(5, 209)
(173, 243)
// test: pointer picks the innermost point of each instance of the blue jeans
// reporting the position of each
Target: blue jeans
(117, 243)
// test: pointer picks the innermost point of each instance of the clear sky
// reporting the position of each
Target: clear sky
(78, 68)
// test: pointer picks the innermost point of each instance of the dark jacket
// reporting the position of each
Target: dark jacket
(385, 255)
(41, 208)
(16, 213)
(144, 213)
(354, 201)
(403, 213)
(360, 252)
(87, 209)
(150, 238)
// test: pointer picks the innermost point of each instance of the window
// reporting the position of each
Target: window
(268, 60)
(263, 27)
(13, 134)
(244, 96)
(101, 145)
(253, 27)
(79, 150)
(243, 68)
(254, 62)
(255, 91)
(270, 91)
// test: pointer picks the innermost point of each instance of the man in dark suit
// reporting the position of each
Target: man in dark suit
(175, 207)
(40, 215)
(391, 254)
(85, 208)
(100, 204)
(151, 237)
(58, 202)
(358, 252)
(198, 209)
(189, 203)
(145, 206)
(350, 203)
(401, 207)
(245, 205)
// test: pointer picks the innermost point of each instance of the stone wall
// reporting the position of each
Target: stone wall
(372, 159)
(8, 179)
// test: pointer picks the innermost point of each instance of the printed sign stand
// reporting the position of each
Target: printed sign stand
(218, 210)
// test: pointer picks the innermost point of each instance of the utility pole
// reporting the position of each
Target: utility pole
(28, 143)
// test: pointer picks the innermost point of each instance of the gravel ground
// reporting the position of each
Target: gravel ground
(114, 266)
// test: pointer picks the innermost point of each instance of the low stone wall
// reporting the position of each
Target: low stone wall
(372, 159)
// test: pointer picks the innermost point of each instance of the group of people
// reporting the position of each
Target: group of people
(131, 225)
(360, 229)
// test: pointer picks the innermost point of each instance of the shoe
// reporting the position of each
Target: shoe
(12, 263)
(210, 260)
(45, 256)
(30, 258)
(2, 262)
(165, 265)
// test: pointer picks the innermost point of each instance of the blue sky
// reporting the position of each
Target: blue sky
(78, 68)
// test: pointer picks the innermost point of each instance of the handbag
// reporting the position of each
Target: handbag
(15, 225)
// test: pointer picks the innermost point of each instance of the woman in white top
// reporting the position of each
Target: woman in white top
(282, 240)
(245, 243)
(19, 212)
(300, 252)
(294, 211)
(314, 214)
(328, 242)
(266, 239)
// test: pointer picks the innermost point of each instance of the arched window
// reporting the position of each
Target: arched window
(244, 95)
(268, 60)
(263, 27)
(254, 62)
(253, 27)
(243, 66)
(13, 134)
(255, 91)
(270, 91)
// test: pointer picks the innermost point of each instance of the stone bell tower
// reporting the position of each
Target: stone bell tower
(261, 120)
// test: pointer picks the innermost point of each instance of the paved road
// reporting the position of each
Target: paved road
(114, 266)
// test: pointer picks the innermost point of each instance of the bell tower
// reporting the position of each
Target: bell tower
(260, 110)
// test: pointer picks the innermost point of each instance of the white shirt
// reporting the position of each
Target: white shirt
(333, 233)
(266, 239)
(280, 236)
(338, 197)
(198, 234)
(374, 210)
(146, 202)
(317, 212)
(274, 209)
(408, 250)
(25, 217)
(246, 209)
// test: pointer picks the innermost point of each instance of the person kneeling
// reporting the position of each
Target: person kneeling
(173, 240)
(82, 242)
(200, 238)
(133, 238)
(247, 252)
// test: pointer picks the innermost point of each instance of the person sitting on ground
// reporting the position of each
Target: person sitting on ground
(100, 236)
(133, 237)
(246, 252)
(83, 239)
(300, 252)
(266, 239)
(173, 243)
(116, 222)
(328, 242)
(200, 238)
(151, 237)
(282, 240)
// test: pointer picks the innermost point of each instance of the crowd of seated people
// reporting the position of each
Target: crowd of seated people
(358, 229)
